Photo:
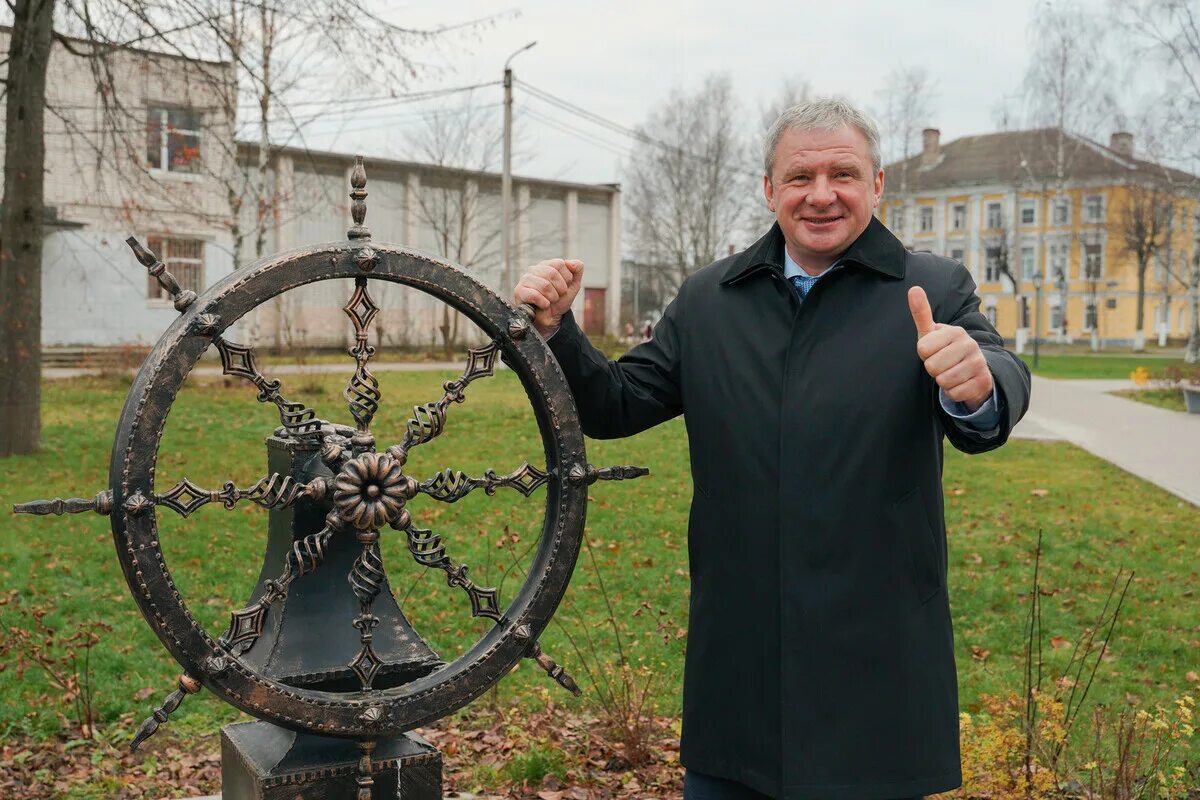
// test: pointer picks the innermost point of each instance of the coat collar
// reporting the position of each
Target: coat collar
(876, 248)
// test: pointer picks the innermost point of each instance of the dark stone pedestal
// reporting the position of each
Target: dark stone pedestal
(261, 761)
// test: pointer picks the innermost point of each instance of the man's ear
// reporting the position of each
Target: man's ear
(878, 187)
(769, 193)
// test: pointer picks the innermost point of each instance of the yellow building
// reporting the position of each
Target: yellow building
(997, 203)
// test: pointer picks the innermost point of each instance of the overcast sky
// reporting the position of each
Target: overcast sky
(618, 59)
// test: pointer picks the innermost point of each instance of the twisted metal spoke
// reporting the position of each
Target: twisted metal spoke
(428, 550)
(362, 392)
(246, 624)
(300, 421)
(272, 491)
(366, 580)
(429, 420)
(450, 486)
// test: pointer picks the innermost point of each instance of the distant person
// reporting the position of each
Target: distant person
(647, 332)
(818, 372)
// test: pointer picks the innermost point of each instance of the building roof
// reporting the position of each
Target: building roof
(1027, 158)
(325, 157)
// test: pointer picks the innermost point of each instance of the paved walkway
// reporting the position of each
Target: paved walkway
(1157, 445)
(208, 369)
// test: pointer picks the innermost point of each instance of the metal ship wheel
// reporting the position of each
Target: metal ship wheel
(365, 491)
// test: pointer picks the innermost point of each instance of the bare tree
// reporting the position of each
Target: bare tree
(21, 229)
(791, 92)
(1169, 32)
(1143, 223)
(465, 138)
(905, 109)
(1066, 98)
(690, 186)
(271, 50)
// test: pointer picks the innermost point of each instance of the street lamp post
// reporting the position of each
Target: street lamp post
(506, 175)
(1037, 314)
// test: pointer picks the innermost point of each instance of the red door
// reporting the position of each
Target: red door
(593, 311)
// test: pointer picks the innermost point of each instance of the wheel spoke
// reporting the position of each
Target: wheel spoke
(428, 550)
(272, 491)
(101, 504)
(450, 486)
(362, 392)
(246, 624)
(366, 580)
(429, 420)
(186, 685)
(299, 420)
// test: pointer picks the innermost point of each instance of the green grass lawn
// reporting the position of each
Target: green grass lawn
(1170, 399)
(1094, 365)
(1096, 520)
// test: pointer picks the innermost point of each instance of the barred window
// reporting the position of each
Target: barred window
(184, 259)
(995, 216)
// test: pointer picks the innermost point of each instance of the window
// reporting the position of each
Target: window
(995, 216)
(990, 313)
(926, 219)
(1093, 262)
(1058, 261)
(1089, 316)
(991, 264)
(1093, 208)
(1023, 312)
(958, 217)
(1028, 263)
(896, 216)
(1062, 211)
(1028, 212)
(1057, 320)
(1160, 266)
(173, 139)
(184, 259)
(957, 254)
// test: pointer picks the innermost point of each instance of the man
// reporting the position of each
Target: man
(817, 372)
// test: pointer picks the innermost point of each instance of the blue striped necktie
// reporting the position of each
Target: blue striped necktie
(803, 283)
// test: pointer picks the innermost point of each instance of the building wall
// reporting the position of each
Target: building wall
(1114, 293)
(425, 208)
(98, 177)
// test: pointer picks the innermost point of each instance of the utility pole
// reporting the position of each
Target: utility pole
(507, 281)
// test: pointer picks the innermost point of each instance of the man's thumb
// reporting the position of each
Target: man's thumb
(922, 314)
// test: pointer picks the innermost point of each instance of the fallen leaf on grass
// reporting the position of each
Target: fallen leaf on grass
(1058, 642)
(546, 794)
(1193, 676)
(979, 653)
(1039, 492)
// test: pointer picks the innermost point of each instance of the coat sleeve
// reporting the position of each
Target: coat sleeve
(623, 397)
(1009, 373)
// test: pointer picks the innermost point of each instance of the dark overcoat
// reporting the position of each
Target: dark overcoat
(820, 659)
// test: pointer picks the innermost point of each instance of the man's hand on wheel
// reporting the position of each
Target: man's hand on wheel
(550, 287)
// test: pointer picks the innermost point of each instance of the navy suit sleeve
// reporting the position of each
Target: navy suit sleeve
(960, 306)
(623, 397)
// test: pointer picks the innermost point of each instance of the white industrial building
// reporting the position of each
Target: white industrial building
(156, 158)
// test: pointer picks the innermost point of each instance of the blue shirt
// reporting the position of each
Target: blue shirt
(985, 420)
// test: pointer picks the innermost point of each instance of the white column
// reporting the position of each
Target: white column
(614, 265)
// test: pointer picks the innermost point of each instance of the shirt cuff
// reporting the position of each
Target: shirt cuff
(984, 420)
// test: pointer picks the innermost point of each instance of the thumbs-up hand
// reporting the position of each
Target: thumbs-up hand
(951, 356)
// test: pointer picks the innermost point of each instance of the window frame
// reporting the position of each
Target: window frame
(1031, 207)
(999, 216)
(165, 130)
(1087, 208)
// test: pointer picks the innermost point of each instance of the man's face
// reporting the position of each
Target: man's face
(822, 190)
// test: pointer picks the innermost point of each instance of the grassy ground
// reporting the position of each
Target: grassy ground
(1097, 520)
(1095, 365)
(1170, 399)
